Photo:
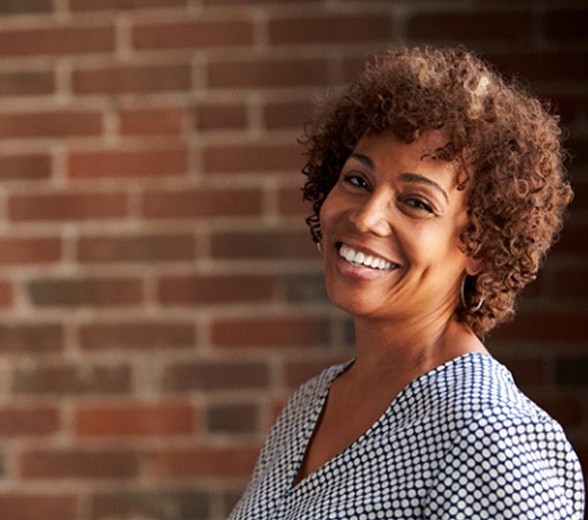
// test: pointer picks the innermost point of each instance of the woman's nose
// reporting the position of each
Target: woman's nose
(373, 215)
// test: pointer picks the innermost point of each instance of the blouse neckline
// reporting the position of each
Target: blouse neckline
(396, 409)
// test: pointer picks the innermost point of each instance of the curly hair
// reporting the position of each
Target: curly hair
(506, 141)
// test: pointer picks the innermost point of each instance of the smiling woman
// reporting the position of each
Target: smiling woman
(395, 203)
(437, 189)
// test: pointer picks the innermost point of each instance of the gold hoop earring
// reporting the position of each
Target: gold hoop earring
(463, 298)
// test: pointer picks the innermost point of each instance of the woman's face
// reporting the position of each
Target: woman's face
(390, 229)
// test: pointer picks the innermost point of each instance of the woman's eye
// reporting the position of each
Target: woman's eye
(420, 205)
(356, 180)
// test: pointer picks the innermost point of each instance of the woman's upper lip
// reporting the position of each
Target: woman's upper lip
(365, 250)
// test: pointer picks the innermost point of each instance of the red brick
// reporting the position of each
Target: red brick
(79, 464)
(37, 506)
(27, 83)
(270, 331)
(128, 163)
(212, 289)
(6, 293)
(157, 121)
(26, 7)
(340, 29)
(205, 461)
(205, 202)
(29, 421)
(217, 116)
(292, 114)
(253, 158)
(31, 338)
(192, 34)
(67, 206)
(28, 167)
(75, 292)
(471, 26)
(56, 40)
(101, 5)
(552, 327)
(135, 420)
(210, 375)
(146, 248)
(290, 202)
(263, 244)
(67, 379)
(141, 335)
(267, 73)
(53, 124)
(21, 251)
(132, 78)
(186, 504)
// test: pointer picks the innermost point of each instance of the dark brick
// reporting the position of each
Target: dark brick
(263, 245)
(215, 375)
(8, 7)
(566, 25)
(160, 504)
(232, 418)
(572, 371)
(86, 292)
(68, 379)
(471, 26)
(27, 338)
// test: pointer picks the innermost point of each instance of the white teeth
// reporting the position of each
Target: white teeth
(359, 258)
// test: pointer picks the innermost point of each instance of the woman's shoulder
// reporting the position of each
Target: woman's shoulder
(476, 385)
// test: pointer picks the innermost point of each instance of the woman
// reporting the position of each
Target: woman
(437, 189)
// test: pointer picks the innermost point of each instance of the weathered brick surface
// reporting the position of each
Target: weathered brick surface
(135, 420)
(161, 297)
(183, 504)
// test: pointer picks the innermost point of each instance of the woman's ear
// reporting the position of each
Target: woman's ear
(473, 266)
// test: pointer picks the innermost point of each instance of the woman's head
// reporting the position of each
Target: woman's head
(505, 143)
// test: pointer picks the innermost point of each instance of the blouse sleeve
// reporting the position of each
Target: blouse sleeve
(499, 467)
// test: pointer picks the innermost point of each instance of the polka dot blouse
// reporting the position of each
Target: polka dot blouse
(459, 442)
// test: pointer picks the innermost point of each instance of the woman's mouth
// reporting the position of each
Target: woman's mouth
(361, 259)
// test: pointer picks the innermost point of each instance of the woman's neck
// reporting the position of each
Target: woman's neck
(408, 350)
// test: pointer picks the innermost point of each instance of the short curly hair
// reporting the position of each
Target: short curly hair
(508, 144)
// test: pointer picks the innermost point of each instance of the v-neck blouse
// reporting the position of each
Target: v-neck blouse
(459, 442)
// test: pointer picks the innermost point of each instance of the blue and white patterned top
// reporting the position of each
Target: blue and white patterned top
(459, 442)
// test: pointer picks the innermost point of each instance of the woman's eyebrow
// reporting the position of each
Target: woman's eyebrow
(416, 178)
(406, 177)
(364, 159)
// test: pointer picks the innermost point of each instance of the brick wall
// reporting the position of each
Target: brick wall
(159, 294)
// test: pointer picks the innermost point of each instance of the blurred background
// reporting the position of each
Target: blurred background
(160, 297)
